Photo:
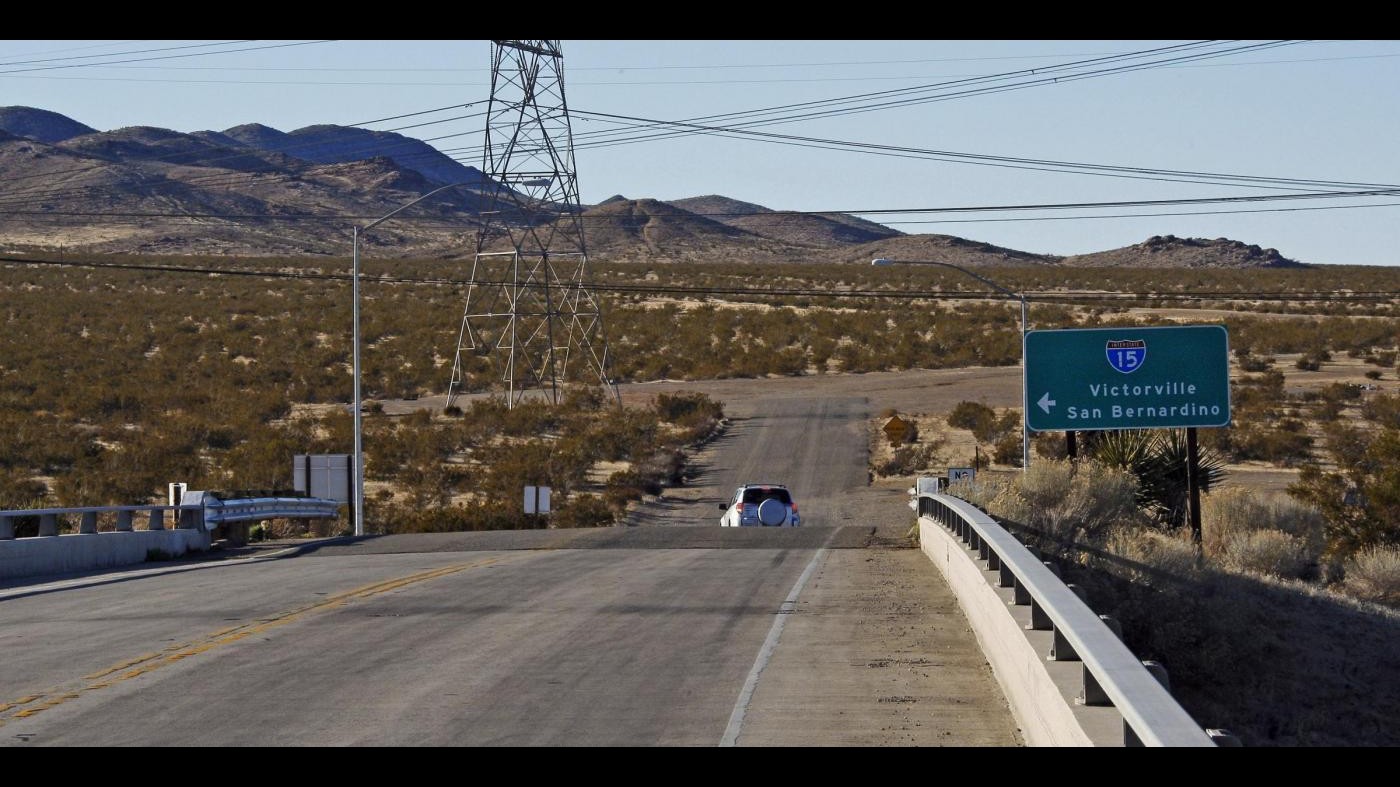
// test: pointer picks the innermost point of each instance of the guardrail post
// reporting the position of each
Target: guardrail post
(157, 520)
(123, 521)
(1113, 625)
(48, 524)
(1225, 739)
(1130, 738)
(1021, 596)
(1039, 620)
(1079, 591)
(88, 523)
(1094, 695)
(1060, 649)
(1005, 578)
(1160, 673)
(993, 560)
(7, 528)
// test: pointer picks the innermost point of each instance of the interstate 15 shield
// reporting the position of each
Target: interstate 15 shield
(1126, 355)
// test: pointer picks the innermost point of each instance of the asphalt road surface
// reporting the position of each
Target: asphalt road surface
(815, 446)
(645, 635)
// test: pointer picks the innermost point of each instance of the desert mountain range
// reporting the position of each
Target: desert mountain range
(255, 190)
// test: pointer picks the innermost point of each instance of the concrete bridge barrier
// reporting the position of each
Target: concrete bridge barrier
(1068, 677)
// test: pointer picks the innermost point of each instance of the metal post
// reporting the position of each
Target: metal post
(1193, 487)
(359, 458)
(359, 468)
(1071, 447)
(1025, 397)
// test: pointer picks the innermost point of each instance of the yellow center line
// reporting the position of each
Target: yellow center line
(140, 665)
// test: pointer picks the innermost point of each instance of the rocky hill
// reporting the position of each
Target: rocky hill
(944, 248)
(823, 230)
(1169, 251)
(649, 230)
(40, 124)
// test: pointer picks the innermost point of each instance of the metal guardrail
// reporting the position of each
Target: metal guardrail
(48, 518)
(1112, 674)
(217, 512)
(207, 514)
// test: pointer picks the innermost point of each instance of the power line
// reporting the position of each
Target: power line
(662, 289)
(824, 102)
(1011, 162)
(120, 54)
(1145, 215)
(922, 94)
(437, 221)
(981, 159)
(83, 48)
(169, 57)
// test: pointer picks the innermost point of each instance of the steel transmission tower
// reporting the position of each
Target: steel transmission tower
(546, 325)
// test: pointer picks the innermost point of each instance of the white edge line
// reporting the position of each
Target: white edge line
(775, 633)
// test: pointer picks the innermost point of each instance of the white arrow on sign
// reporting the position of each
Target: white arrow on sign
(1046, 402)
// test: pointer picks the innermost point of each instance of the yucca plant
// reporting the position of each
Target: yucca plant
(1158, 458)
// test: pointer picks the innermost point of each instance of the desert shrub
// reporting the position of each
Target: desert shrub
(1373, 574)
(626, 485)
(583, 511)
(1269, 552)
(685, 407)
(1373, 375)
(1152, 551)
(1253, 363)
(1383, 409)
(980, 492)
(1229, 515)
(973, 416)
(1050, 445)
(910, 459)
(1065, 501)
(1283, 443)
(1360, 499)
(1007, 450)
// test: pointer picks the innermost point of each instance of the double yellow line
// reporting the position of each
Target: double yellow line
(25, 707)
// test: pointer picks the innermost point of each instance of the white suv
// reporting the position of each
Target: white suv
(760, 505)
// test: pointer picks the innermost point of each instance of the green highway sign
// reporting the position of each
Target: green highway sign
(1127, 378)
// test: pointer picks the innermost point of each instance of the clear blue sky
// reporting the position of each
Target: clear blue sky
(1314, 110)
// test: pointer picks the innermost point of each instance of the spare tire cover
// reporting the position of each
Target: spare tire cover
(772, 512)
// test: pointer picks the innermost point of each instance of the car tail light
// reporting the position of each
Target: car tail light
(794, 508)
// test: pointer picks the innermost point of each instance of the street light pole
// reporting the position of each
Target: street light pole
(359, 458)
(1025, 404)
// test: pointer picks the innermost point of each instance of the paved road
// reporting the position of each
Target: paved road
(624, 636)
(817, 447)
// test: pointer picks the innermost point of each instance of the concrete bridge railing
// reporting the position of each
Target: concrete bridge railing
(191, 530)
(1065, 671)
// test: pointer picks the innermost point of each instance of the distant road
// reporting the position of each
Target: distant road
(817, 447)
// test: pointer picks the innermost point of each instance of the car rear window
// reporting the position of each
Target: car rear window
(758, 494)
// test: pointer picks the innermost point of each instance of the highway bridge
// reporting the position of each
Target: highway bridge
(667, 631)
